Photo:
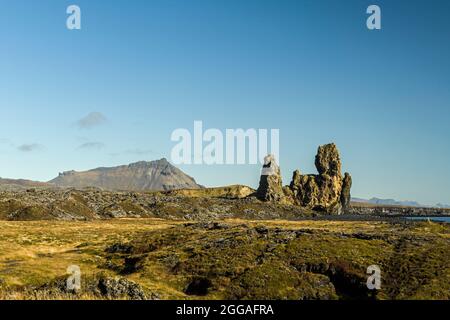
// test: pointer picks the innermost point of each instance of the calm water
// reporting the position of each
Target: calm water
(442, 219)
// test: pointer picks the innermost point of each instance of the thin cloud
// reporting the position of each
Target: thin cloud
(91, 146)
(6, 142)
(30, 147)
(92, 120)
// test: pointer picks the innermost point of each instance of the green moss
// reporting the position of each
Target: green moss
(242, 259)
(244, 263)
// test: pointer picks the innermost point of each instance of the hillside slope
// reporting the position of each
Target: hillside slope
(156, 175)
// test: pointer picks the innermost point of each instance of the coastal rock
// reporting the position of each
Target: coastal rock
(328, 161)
(270, 184)
(328, 191)
(345, 193)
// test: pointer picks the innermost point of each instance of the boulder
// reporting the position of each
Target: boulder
(120, 288)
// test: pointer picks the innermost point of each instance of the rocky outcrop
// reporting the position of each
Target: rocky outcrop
(120, 288)
(270, 184)
(328, 161)
(327, 191)
(345, 193)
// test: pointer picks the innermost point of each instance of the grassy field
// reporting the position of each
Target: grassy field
(230, 259)
(36, 252)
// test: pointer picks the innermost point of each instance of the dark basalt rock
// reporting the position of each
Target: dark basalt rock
(119, 288)
(345, 193)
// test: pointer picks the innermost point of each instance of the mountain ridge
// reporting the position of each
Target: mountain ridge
(393, 202)
(21, 183)
(157, 175)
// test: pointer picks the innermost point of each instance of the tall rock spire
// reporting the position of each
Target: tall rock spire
(270, 184)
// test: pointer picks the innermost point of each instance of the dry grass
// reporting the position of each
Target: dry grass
(34, 253)
(38, 251)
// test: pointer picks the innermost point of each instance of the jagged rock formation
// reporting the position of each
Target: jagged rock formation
(327, 192)
(140, 176)
(270, 184)
(322, 192)
(328, 161)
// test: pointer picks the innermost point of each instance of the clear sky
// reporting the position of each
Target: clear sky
(309, 68)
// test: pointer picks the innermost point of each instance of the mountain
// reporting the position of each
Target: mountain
(443, 206)
(17, 184)
(389, 202)
(156, 175)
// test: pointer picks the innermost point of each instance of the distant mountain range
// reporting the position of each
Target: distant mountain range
(157, 175)
(443, 206)
(392, 202)
(20, 184)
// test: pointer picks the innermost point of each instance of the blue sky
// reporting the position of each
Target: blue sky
(310, 68)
